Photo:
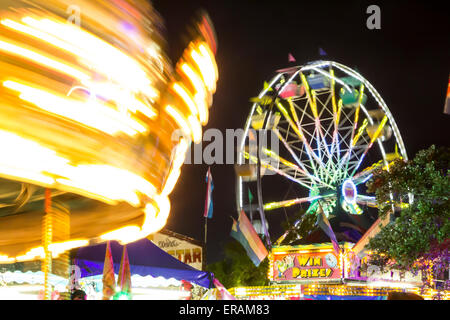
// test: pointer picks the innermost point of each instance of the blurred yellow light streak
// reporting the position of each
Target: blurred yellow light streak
(41, 59)
(124, 235)
(200, 95)
(92, 114)
(108, 182)
(205, 50)
(202, 107)
(124, 87)
(155, 219)
(171, 181)
(205, 69)
(107, 90)
(56, 249)
(292, 124)
(186, 97)
(180, 154)
(194, 79)
(196, 129)
(311, 95)
(98, 54)
(16, 161)
(125, 99)
(379, 129)
(179, 119)
(360, 132)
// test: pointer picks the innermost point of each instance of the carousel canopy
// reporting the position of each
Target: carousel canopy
(145, 259)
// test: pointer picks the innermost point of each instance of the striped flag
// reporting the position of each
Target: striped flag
(109, 283)
(208, 201)
(323, 222)
(124, 279)
(447, 100)
(243, 231)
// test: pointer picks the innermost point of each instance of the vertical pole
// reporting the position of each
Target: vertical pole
(204, 247)
(206, 228)
(47, 236)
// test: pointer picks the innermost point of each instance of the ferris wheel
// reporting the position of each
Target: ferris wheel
(332, 130)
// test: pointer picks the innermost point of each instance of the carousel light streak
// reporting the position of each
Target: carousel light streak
(93, 114)
(97, 151)
(179, 119)
(186, 97)
(200, 95)
(41, 59)
(100, 55)
(211, 73)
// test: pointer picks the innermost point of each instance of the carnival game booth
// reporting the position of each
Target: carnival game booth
(317, 272)
(154, 273)
(326, 275)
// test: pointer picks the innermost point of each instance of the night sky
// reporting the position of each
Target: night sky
(407, 61)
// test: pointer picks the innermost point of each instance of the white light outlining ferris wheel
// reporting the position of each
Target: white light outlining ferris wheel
(333, 129)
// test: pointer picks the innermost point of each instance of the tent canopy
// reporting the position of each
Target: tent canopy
(145, 259)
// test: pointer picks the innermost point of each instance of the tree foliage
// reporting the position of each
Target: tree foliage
(237, 270)
(420, 232)
(299, 226)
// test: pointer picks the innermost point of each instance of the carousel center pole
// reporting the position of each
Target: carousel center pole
(47, 235)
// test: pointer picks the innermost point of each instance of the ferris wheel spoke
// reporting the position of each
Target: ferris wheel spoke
(320, 138)
(289, 203)
(276, 170)
(288, 164)
(355, 122)
(303, 169)
(364, 200)
(372, 141)
(298, 130)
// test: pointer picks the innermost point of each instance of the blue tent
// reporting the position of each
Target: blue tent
(145, 259)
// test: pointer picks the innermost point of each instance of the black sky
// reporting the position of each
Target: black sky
(407, 61)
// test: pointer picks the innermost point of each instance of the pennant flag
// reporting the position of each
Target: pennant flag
(447, 100)
(208, 202)
(322, 52)
(323, 223)
(109, 282)
(243, 231)
(124, 279)
(250, 196)
(291, 58)
(225, 295)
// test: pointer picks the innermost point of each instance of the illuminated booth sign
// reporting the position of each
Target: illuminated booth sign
(304, 266)
(185, 249)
